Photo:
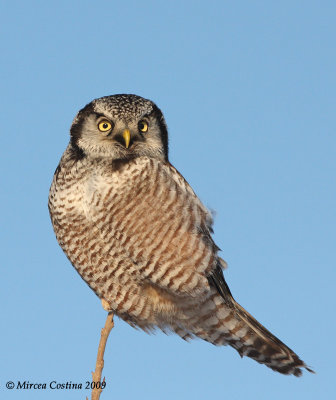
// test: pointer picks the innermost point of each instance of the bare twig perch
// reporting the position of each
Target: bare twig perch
(96, 375)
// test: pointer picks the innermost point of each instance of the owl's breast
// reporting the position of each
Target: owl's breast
(67, 200)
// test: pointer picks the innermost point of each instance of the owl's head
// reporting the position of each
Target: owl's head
(120, 127)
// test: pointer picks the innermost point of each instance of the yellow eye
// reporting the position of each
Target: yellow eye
(143, 126)
(104, 126)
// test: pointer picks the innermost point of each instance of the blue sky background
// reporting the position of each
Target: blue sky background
(248, 92)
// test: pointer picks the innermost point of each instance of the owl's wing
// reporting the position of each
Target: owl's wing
(160, 224)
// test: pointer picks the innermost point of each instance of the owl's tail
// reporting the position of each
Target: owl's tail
(231, 324)
(262, 346)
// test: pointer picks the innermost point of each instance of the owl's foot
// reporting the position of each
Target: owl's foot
(106, 305)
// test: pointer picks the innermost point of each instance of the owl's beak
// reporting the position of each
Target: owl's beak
(127, 137)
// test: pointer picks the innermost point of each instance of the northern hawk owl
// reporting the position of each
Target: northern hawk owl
(141, 239)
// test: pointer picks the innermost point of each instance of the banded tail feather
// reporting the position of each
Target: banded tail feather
(258, 342)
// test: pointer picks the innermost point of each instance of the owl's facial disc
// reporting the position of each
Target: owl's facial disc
(120, 127)
(124, 138)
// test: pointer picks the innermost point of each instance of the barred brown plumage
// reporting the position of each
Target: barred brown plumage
(141, 239)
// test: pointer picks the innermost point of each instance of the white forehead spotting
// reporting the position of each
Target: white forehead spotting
(123, 106)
